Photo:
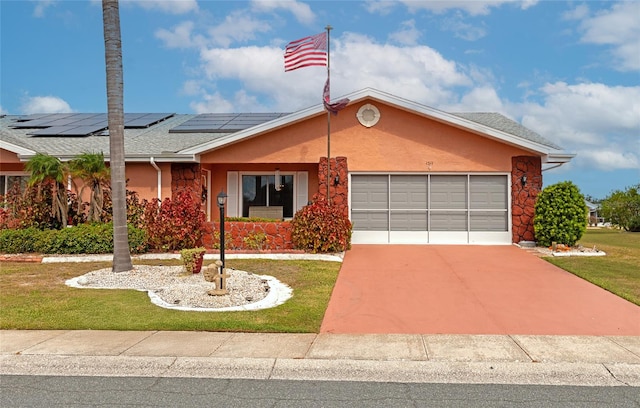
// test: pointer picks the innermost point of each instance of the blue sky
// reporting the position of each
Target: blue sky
(569, 70)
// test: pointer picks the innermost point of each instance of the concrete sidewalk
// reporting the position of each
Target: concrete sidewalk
(500, 359)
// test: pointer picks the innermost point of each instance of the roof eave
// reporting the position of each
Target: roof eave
(164, 158)
(19, 150)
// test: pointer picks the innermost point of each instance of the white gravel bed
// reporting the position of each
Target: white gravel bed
(172, 288)
(572, 252)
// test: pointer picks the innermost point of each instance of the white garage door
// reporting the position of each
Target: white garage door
(428, 208)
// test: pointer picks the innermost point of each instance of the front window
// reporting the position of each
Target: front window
(261, 190)
(7, 182)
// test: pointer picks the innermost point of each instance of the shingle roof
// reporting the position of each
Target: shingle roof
(152, 141)
(504, 124)
(157, 141)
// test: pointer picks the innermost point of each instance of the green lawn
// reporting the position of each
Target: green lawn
(34, 296)
(618, 272)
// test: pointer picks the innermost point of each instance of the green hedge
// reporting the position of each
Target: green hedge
(81, 239)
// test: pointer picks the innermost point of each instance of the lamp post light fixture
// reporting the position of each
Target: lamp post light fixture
(222, 200)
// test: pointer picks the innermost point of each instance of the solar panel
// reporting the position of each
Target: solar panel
(143, 120)
(69, 130)
(82, 124)
(224, 122)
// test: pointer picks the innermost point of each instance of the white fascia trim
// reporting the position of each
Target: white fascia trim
(558, 158)
(130, 158)
(20, 151)
(174, 158)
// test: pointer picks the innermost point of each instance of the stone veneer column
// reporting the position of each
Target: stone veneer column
(523, 197)
(186, 176)
(339, 193)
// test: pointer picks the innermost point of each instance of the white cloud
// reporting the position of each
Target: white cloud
(301, 11)
(599, 122)
(41, 7)
(407, 35)
(2, 111)
(237, 27)
(609, 158)
(474, 8)
(167, 6)
(44, 104)
(212, 103)
(180, 36)
(618, 28)
(463, 30)
(416, 72)
(481, 99)
(579, 12)
(382, 7)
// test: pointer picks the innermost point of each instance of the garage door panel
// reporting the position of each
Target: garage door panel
(448, 192)
(448, 221)
(369, 192)
(370, 221)
(408, 221)
(409, 192)
(489, 221)
(488, 192)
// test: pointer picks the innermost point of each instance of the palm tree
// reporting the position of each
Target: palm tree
(115, 85)
(49, 169)
(91, 168)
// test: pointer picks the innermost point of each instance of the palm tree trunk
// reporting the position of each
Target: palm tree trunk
(115, 85)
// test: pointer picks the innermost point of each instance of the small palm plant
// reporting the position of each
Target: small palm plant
(92, 170)
(48, 169)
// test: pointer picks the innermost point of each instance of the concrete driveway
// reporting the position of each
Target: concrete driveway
(420, 289)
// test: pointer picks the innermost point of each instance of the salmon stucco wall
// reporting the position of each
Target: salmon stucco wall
(401, 141)
(526, 183)
(7, 158)
(143, 179)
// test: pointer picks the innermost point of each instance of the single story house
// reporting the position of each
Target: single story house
(402, 171)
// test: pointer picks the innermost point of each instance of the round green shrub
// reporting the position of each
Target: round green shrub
(560, 214)
(321, 228)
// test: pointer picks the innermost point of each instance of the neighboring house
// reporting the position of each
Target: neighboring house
(403, 172)
(593, 218)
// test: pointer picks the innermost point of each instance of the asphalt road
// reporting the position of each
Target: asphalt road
(58, 391)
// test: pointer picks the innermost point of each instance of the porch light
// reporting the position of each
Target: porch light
(222, 199)
(277, 181)
(523, 179)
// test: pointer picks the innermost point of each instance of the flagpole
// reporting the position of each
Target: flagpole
(328, 28)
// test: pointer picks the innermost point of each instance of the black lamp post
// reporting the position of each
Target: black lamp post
(222, 199)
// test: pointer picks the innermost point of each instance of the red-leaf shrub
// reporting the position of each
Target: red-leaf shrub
(29, 208)
(135, 208)
(321, 228)
(176, 224)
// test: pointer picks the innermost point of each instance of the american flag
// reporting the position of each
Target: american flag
(306, 52)
(326, 99)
